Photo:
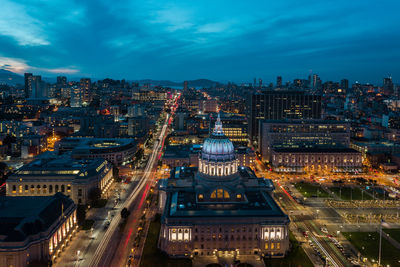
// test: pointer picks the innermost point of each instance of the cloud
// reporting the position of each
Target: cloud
(17, 24)
(13, 64)
(20, 66)
(60, 70)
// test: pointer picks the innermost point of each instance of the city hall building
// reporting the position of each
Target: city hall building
(35, 229)
(51, 173)
(220, 208)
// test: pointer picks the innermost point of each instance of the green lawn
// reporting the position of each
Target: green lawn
(152, 256)
(393, 233)
(296, 257)
(350, 193)
(368, 245)
(311, 190)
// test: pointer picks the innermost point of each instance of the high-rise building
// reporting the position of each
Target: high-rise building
(316, 82)
(301, 134)
(28, 84)
(344, 84)
(185, 85)
(38, 87)
(61, 80)
(76, 96)
(86, 85)
(279, 81)
(279, 105)
(388, 87)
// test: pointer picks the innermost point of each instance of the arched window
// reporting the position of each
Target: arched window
(220, 194)
(50, 188)
(56, 188)
(62, 188)
(14, 188)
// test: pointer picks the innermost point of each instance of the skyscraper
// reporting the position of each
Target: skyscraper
(61, 80)
(86, 85)
(344, 84)
(28, 84)
(278, 105)
(279, 81)
(38, 88)
(388, 87)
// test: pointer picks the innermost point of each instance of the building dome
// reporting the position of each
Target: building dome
(218, 156)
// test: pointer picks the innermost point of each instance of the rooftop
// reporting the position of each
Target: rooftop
(52, 164)
(24, 216)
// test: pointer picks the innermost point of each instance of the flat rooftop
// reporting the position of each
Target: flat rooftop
(52, 164)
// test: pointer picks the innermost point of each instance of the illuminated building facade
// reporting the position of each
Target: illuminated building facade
(35, 229)
(316, 160)
(279, 105)
(301, 134)
(220, 208)
(51, 173)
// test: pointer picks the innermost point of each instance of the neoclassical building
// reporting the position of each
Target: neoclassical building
(50, 173)
(35, 229)
(220, 208)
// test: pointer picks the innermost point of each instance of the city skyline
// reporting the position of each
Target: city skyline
(219, 42)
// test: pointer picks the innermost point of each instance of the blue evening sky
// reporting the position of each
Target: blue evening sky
(220, 40)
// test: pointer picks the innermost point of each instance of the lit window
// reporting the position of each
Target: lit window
(200, 196)
(239, 196)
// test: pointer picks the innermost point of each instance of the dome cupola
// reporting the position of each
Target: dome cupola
(218, 156)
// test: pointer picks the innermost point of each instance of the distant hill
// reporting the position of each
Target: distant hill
(10, 78)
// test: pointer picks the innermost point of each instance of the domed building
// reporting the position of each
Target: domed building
(220, 208)
(218, 154)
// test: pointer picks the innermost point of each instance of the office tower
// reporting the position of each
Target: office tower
(76, 97)
(306, 134)
(260, 83)
(388, 87)
(278, 105)
(85, 85)
(38, 87)
(185, 85)
(316, 82)
(279, 81)
(61, 81)
(28, 84)
(255, 82)
(344, 84)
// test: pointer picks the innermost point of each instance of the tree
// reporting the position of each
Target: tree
(94, 195)
(81, 214)
(115, 171)
(125, 213)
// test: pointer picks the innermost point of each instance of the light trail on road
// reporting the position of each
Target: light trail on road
(97, 258)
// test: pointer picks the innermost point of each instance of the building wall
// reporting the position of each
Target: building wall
(213, 238)
(78, 191)
(310, 161)
(43, 246)
(305, 134)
